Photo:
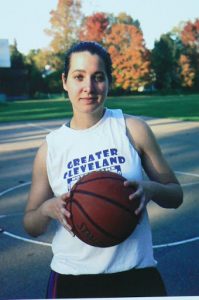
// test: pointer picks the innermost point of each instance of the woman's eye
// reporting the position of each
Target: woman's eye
(99, 77)
(79, 77)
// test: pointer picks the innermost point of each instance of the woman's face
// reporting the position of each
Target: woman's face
(87, 82)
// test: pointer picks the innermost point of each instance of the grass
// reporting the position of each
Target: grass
(34, 110)
(184, 107)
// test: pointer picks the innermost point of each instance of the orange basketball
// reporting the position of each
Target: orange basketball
(101, 213)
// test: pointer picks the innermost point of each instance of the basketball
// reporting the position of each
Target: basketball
(101, 213)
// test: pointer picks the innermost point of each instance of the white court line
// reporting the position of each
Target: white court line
(189, 174)
(11, 215)
(14, 188)
(177, 243)
(48, 244)
(40, 127)
(25, 239)
(190, 183)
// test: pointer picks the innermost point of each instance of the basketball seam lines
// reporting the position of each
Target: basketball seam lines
(99, 178)
(104, 198)
(93, 222)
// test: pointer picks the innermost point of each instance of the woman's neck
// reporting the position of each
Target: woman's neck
(84, 120)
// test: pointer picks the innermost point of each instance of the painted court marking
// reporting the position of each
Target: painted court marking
(194, 239)
(14, 188)
(24, 239)
(40, 127)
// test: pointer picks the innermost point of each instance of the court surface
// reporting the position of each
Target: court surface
(24, 261)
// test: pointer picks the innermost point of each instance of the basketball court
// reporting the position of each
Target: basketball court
(24, 261)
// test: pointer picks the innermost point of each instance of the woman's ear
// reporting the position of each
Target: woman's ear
(64, 81)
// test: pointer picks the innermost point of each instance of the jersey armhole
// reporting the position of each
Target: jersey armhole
(129, 136)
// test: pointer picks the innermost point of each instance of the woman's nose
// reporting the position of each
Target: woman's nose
(89, 86)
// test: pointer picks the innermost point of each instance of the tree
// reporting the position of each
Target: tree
(187, 73)
(131, 63)
(123, 38)
(123, 18)
(121, 35)
(190, 34)
(164, 58)
(36, 61)
(94, 28)
(187, 34)
(14, 80)
(65, 21)
(17, 58)
(190, 59)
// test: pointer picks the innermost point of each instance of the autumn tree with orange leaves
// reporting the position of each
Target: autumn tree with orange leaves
(190, 34)
(187, 73)
(173, 63)
(189, 58)
(131, 62)
(123, 39)
(94, 28)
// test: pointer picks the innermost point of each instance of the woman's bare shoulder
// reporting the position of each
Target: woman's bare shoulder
(134, 121)
(138, 130)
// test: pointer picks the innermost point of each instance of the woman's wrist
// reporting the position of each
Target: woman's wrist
(165, 195)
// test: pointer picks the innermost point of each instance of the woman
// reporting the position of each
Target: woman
(80, 270)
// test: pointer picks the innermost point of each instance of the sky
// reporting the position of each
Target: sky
(26, 20)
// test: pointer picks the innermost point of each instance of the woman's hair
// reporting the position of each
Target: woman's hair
(93, 48)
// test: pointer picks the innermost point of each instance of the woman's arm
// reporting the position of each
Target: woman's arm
(42, 206)
(163, 187)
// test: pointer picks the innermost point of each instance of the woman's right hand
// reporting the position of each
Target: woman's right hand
(55, 208)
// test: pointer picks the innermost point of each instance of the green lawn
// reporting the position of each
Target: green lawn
(185, 107)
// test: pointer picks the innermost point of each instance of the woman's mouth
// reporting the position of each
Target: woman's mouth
(88, 99)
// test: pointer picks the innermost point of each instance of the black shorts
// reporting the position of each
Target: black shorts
(145, 282)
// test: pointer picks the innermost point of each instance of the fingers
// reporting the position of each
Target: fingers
(63, 206)
(57, 210)
(133, 184)
(66, 196)
(140, 208)
(64, 213)
(138, 195)
(138, 190)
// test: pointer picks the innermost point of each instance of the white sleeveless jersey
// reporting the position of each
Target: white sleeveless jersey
(74, 153)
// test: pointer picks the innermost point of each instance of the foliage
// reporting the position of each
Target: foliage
(64, 29)
(17, 58)
(123, 18)
(189, 61)
(35, 69)
(131, 64)
(164, 58)
(94, 28)
(14, 80)
(123, 38)
(173, 63)
(190, 34)
(187, 73)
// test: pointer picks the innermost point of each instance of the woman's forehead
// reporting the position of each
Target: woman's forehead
(85, 59)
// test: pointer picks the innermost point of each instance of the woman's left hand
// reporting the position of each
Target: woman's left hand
(140, 195)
